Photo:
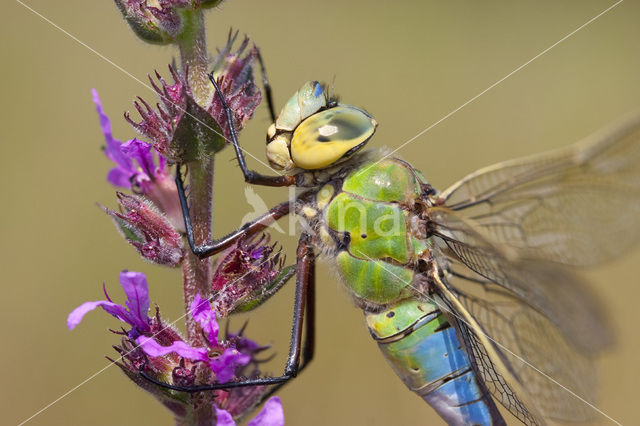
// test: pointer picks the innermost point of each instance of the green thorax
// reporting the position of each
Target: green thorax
(373, 212)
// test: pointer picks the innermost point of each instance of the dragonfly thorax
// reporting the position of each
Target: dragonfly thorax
(371, 223)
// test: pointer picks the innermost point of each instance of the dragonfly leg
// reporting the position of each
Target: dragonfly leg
(304, 300)
(308, 349)
(267, 87)
(251, 176)
(216, 246)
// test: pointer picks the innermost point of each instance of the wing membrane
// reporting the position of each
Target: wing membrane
(543, 286)
(579, 205)
(557, 376)
(487, 362)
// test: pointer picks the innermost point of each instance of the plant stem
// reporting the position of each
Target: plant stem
(197, 273)
(195, 58)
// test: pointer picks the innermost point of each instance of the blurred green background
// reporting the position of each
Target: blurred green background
(408, 63)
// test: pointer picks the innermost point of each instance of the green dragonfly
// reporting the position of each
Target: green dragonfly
(464, 290)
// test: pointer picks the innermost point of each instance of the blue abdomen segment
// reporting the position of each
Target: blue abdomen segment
(424, 351)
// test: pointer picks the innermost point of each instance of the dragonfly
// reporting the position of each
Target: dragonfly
(466, 291)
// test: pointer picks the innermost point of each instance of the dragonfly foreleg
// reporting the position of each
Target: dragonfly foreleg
(248, 229)
(267, 87)
(251, 176)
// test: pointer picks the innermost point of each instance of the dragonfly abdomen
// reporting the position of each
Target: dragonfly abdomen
(374, 215)
(423, 349)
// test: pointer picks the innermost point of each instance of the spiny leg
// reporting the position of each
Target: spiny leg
(305, 284)
(304, 298)
(267, 87)
(248, 229)
(251, 176)
(308, 349)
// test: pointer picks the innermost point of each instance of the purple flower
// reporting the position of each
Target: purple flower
(225, 364)
(140, 168)
(206, 317)
(155, 349)
(270, 415)
(225, 360)
(223, 417)
(134, 313)
(126, 171)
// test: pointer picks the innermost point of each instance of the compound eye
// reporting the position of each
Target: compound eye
(305, 102)
(331, 135)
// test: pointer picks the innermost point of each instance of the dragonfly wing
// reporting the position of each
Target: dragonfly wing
(548, 288)
(488, 362)
(578, 205)
(506, 334)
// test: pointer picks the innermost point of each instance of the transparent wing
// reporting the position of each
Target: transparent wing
(579, 205)
(487, 361)
(545, 287)
(557, 377)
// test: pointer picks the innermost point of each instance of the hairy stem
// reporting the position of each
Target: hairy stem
(197, 273)
(195, 58)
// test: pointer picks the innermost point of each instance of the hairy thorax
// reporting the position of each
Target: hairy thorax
(370, 219)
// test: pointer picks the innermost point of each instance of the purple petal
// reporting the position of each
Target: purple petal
(224, 418)
(135, 149)
(154, 349)
(119, 177)
(123, 315)
(199, 307)
(162, 162)
(225, 365)
(135, 287)
(105, 123)
(112, 150)
(78, 313)
(202, 313)
(270, 415)
(247, 345)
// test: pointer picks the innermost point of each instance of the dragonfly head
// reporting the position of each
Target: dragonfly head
(312, 132)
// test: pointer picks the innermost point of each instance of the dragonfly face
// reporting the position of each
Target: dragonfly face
(312, 133)
(465, 293)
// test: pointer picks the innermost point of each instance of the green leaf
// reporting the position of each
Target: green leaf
(128, 233)
(197, 135)
(267, 291)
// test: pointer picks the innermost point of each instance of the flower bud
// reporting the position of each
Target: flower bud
(160, 21)
(181, 129)
(178, 127)
(235, 77)
(148, 230)
(247, 274)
